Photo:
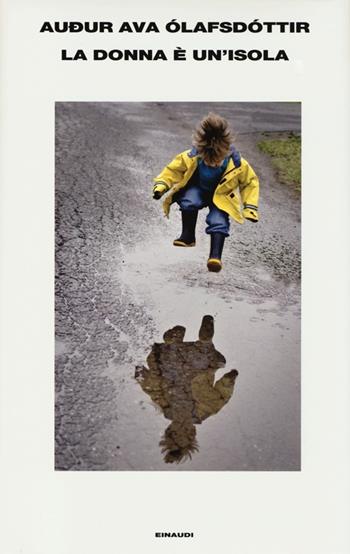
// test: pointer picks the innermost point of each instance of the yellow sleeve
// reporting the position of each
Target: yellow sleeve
(249, 186)
(225, 386)
(154, 385)
(210, 399)
(172, 173)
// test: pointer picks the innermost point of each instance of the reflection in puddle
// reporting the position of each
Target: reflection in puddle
(180, 380)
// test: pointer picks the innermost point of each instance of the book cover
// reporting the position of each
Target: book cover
(174, 277)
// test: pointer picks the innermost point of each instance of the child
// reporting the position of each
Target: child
(212, 175)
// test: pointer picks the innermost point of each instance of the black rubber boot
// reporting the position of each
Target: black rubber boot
(188, 237)
(216, 246)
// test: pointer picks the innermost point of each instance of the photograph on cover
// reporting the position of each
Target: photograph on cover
(178, 266)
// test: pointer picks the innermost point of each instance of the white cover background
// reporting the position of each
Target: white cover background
(47, 512)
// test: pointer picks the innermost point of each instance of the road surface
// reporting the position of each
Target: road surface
(126, 397)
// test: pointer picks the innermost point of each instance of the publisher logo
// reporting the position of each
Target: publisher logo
(170, 534)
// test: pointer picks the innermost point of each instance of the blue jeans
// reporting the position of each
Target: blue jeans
(194, 198)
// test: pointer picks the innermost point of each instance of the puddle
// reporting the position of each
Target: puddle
(180, 379)
(257, 427)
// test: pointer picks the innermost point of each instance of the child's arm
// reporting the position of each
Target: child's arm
(249, 189)
(169, 176)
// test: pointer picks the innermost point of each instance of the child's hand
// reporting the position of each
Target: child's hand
(251, 215)
(158, 191)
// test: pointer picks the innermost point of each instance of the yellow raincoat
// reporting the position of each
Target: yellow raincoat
(237, 192)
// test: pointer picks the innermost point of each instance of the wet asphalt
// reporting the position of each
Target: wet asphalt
(161, 365)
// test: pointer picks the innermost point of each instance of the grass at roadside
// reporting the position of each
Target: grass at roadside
(286, 158)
